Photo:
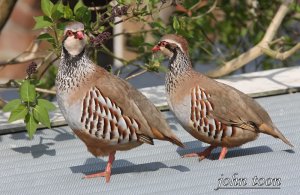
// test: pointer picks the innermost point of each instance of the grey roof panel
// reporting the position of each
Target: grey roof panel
(55, 161)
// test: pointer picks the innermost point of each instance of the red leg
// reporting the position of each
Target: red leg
(202, 155)
(223, 153)
(107, 171)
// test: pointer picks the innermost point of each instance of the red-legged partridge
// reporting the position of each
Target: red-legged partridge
(210, 111)
(104, 111)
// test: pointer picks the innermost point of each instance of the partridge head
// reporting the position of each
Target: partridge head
(104, 111)
(74, 39)
(210, 111)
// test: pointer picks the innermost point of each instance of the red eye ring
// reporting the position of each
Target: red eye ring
(162, 43)
(69, 33)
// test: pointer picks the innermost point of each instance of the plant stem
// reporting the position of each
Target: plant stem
(136, 74)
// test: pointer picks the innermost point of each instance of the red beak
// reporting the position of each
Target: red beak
(155, 48)
(79, 35)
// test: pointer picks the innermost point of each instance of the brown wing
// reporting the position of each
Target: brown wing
(138, 107)
(105, 120)
(232, 106)
(207, 127)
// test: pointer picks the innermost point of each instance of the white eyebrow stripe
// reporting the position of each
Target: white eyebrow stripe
(171, 41)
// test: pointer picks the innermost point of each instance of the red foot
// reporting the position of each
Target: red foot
(201, 155)
(107, 171)
(101, 174)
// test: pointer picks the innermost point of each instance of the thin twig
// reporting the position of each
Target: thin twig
(136, 74)
(46, 66)
(280, 55)
(13, 84)
(276, 41)
(136, 32)
(30, 54)
(208, 11)
(107, 51)
(135, 15)
(45, 91)
(10, 84)
(257, 50)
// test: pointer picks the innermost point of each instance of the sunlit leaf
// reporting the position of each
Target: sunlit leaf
(42, 22)
(58, 11)
(68, 13)
(46, 104)
(176, 24)
(83, 14)
(18, 113)
(27, 91)
(41, 115)
(46, 37)
(11, 105)
(78, 5)
(31, 125)
(47, 6)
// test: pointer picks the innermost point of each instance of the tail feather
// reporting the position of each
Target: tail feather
(145, 139)
(274, 132)
(176, 141)
(172, 138)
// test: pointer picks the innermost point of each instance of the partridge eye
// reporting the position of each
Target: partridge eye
(69, 33)
(162, 43)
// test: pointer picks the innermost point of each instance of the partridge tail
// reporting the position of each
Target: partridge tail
(281, 136)
(170, 137)
(274, 132)
(176, 141)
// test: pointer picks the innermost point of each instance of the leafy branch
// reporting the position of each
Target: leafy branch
(29, 107)
(261, 48)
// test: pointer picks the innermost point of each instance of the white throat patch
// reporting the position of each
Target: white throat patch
(74, 46)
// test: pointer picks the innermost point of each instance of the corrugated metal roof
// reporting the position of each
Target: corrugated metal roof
(55, 162)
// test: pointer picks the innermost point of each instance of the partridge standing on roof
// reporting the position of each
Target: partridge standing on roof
(210, 111)
(104, 111)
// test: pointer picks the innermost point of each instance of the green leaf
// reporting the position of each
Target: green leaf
(46, 37)
(18, 113)
(46, 104)
(158, 24)
(11, 105)
(60, 28)
(78, 5)
(31, 125)
(47, 6)
(40, 114)
(58, 11)
(83, 14)
(27, 91)
(176, 25)
(68, 13)
(42, 22)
